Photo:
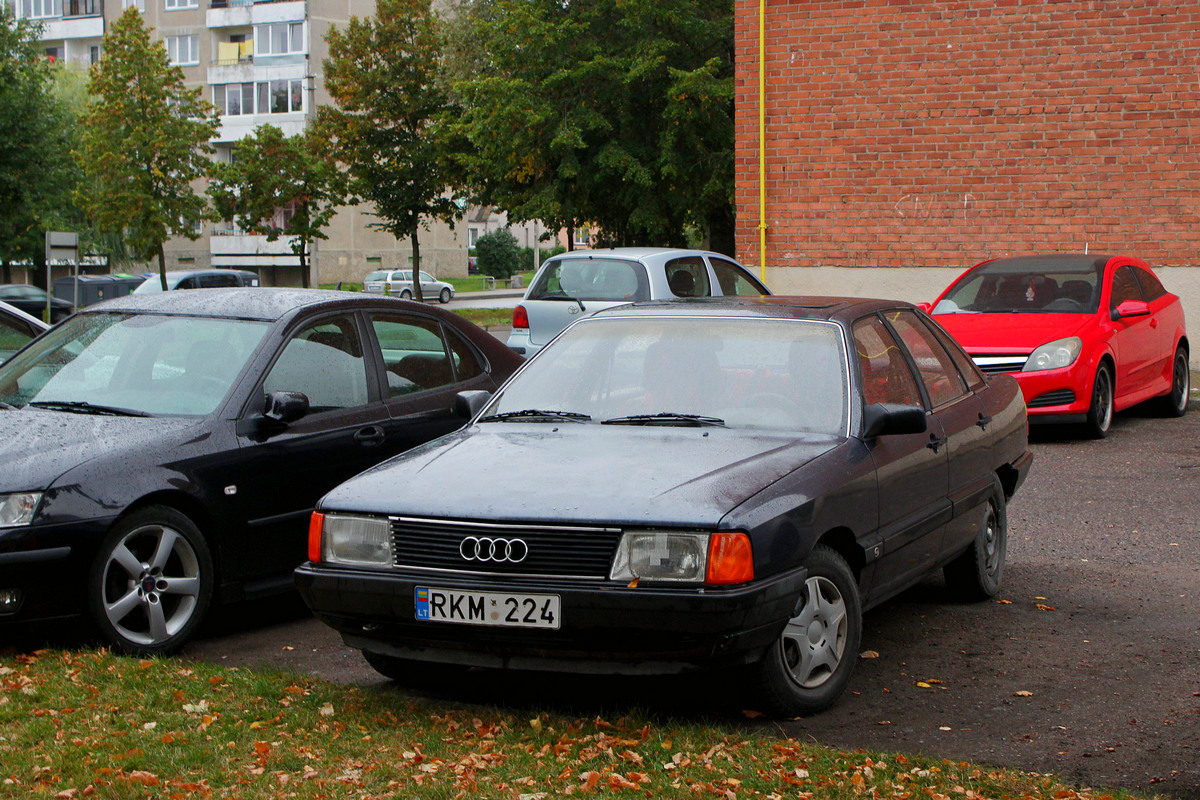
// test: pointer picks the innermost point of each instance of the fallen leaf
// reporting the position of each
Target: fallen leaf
(1023, 693)
(751, 714)
(1044, 607)
(326, 710)
(868, 654)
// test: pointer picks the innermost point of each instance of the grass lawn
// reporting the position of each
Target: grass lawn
(90, 724)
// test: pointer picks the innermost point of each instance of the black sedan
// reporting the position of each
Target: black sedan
(32, 301)
(167, 449)
(678, 485)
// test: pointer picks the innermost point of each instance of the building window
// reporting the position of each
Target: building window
(40, 9)
(94, 54)
(472, 236)
(268, 97)
(55, 54)
(140, 5)
(279, 38)
(184, 50)
(175, 5)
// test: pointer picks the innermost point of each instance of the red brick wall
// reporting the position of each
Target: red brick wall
(942, 133)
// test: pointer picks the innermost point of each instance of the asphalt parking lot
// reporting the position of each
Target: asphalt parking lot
(1088, 665)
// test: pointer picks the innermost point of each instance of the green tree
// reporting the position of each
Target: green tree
(617, 113)
(392, 125)
(145, 143)
(280, 186)
(498, 254)
(36, 136)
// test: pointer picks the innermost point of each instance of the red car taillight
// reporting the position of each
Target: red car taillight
(520, 317)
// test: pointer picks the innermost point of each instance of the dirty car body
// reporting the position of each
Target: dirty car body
(722, 483)
(166, 449)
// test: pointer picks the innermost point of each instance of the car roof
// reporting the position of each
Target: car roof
(1058, 262)
(637, 253)
(836, 309)
(266, 304)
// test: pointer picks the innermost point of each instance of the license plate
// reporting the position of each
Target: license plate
(488, 608)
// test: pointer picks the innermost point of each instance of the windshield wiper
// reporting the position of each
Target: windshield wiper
(667, 418)
(6, 407)
(84, 407)
(536, 413)
(564, 296)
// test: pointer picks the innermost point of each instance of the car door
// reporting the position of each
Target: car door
(1135, 339)
(964, 423)
(911, 469)
(1166, 318)
(425, 365)
(282, 471)
(734, 279)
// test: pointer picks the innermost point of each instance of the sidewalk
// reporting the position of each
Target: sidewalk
(506, 292)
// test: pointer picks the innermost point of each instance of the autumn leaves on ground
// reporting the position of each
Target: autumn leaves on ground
(91, 724)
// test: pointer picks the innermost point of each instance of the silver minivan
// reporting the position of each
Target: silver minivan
(579, 283)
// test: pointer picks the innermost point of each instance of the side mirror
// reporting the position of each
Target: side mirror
(1130, 308)
(468, 404)
(285, 407)
(886, 419)
(926, 307)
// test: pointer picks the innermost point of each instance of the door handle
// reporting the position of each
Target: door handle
(935, 442)
(370, 436)
(983, 421)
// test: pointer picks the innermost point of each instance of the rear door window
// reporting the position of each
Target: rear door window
(688, 277)
(886, 376)
(735, 280)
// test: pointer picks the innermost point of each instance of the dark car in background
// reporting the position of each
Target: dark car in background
(32, 301)
(164, 450)
(197, 279)
(681, 485)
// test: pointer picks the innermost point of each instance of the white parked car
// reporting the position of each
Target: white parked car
(582, 282)
(399, 284)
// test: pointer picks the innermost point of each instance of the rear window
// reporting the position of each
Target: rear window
(375, 276)
(592, 279)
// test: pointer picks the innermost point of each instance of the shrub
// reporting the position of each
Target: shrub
(498, 254)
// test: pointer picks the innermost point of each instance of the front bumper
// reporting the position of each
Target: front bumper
(605, 628)
(46, 568)
(1057, 395)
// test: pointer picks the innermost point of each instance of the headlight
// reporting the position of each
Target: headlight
(361, 541)
(661, 556)
(17, 509)
(1054, 355)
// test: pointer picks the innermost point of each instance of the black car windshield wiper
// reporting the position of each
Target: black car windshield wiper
(6, 407)
(84, 407)
(667, 418)
(537, 413)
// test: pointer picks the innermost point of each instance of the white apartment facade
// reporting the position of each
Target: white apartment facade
(259, 63)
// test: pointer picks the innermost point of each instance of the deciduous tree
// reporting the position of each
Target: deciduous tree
(145, 144)
(280, 186)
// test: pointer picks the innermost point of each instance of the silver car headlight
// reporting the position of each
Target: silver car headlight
(1054, 355)
(661, 556)
(17, 509)
(356, 541)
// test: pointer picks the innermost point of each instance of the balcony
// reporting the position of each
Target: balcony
(234, 248)
(239, 13)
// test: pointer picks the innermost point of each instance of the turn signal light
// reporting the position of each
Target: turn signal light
(730, 559)
(520, 317)
(316, 524)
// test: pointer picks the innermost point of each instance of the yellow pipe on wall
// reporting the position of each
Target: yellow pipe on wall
(762, 139)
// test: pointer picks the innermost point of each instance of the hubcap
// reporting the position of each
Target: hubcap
(991, 548)
(151, 584)
(814, 640)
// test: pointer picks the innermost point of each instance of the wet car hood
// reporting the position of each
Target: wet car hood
(37, 447)
(580, 473)
(1010, 333)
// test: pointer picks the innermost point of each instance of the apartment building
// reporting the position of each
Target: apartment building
(259, 63)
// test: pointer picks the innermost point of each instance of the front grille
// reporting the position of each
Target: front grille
(564, 551)
(1059, 397)
(991, 364)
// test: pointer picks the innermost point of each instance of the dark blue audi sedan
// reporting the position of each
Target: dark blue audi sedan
(683, 485)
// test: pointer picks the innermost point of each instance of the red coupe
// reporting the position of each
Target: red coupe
(1084, 335)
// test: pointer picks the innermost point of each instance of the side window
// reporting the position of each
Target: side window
(966, 366)
(1125, 287)
(186, 283)
(938, 372)
(414, 353)
(688, 277)
(324, 361)
(466, 364)
(734, 280)
(886, 377)
(1151, 288)
(213, 281)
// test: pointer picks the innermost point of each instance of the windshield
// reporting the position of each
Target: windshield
(1019, 285)
(591, 279)
(140, 363)
(764, 374)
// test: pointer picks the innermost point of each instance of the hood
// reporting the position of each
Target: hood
(1010, 333)
(570, 472)
(37, 447)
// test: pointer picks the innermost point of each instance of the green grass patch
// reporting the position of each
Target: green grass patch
(80, 724)
(486, 316)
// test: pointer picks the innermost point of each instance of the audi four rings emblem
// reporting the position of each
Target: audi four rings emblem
(483, 548)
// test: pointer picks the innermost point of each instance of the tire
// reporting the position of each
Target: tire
(405, 294)
(976, 574)
(444, 297)
(151, 582)
(807, 668)
(1175, 402)
(1099, 416)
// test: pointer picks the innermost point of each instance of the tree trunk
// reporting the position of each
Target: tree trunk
(416, 266)
(162, 266)
(570, 236)
(6, 276)
(304, 279)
